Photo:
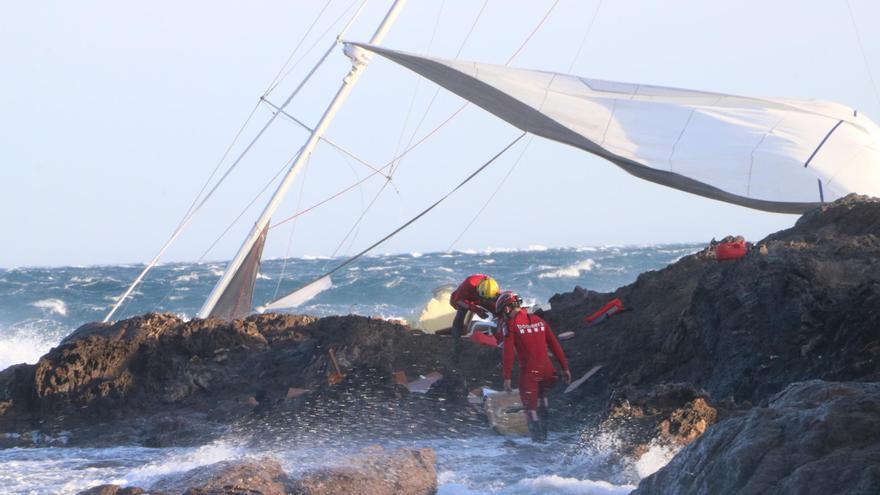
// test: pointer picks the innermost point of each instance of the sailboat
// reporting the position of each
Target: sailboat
(781, 155)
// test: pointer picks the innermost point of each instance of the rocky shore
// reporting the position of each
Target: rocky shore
(762, 370)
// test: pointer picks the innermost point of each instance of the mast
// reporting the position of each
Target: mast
(359, 60)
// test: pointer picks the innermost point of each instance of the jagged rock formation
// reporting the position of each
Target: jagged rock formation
(741, 330)
(373, 472)
(161, 380)
(813, 438)
(704, 341)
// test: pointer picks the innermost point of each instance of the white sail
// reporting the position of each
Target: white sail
(779, 155)
(300, 296)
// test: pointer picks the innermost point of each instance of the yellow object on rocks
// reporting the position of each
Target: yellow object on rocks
(437, 313)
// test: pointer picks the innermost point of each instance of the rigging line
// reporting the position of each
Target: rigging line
(191, 214)
(414, 146)
(461, 48)
(357, 227)
(529, 37)
(437, 89)
(297, 47)
(382, 189)
(412, 101)
(862, 50)
(494, 193)
(251, 203)
(302, 189)
(325, 139)
(359, 219)
(420, 215)
(586, 35)
(317, 41)
(184, 221)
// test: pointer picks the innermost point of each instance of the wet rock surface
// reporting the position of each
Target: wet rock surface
(703, 342)
(404, 472)
(264, 476)
(741, 330)
(814, 437)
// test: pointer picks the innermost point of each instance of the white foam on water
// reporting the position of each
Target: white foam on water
(182, 460)
(262, 276)
(394, 283)
(28, 342)
(53, 306)
(655, 458)
(188, 278)
(572, 271)
(554, 484)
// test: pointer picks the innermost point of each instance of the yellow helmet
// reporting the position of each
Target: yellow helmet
(488, 288)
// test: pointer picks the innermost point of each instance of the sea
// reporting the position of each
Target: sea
(39, 306)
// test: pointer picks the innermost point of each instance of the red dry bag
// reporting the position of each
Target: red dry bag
(725, 251)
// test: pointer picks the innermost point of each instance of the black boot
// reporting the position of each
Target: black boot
(535, 430)
(543, 417)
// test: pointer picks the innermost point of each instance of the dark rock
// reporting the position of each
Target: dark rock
(813, 438)
(404, 472)
(743, 330)
(262, 476)
(806, 305)
(113, 490)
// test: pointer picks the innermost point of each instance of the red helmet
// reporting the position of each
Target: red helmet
(505, 299)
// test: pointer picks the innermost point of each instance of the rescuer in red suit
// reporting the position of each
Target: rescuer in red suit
(529, 336)
(475, 295)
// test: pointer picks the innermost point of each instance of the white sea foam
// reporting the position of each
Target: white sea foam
(567, 486)
(655, 458)
(53, 306)
(28, 342)
(187, 278)
(394, 283)
(416, 254)
(571, 271)
(183, 460)
(310, 257)
(262, 276)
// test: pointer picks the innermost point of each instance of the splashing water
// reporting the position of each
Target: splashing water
(40, 306)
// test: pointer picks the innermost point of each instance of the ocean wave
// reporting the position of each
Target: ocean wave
(571, 271)
(534, 248)
(309, 257)
(29, 342)
(562, 485)
(394, 283)
(192, 276)
(53, 306)
(184, 460)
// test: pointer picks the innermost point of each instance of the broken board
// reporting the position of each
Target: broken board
(577, 383)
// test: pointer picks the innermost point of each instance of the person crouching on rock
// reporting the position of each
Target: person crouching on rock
(529, 335)
(475, 295)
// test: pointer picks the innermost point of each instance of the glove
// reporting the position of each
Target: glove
(482, 313)
(566, 376)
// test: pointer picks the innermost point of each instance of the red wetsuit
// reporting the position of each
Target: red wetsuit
(466, 297)
(530, 336)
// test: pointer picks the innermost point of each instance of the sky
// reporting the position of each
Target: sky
(114, 114)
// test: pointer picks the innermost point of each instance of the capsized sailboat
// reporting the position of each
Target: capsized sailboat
(772, 154)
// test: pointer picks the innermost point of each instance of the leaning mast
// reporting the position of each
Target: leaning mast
(359, 60)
